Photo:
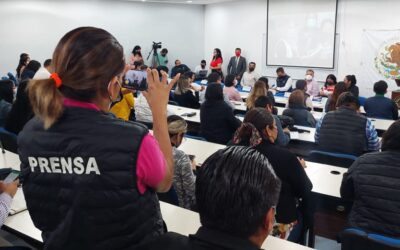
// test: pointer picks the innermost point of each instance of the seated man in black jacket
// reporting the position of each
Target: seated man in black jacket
(373, 183)
(179, 68)
(236, 194)
(345, 130)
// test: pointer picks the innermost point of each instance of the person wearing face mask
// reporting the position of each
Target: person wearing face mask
(312, 84)
(184, 178)
(201, 70)
(163, 58)
(329, 86)
(89, 176)
(237, 65)
(230, 88)
(259, 131)
(250, 77)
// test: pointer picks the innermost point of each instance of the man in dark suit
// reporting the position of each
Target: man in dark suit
(237, 65)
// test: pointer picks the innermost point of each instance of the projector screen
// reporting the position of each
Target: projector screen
(301, 33)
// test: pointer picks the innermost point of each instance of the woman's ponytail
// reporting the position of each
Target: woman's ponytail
(46, 100)
(247, 133)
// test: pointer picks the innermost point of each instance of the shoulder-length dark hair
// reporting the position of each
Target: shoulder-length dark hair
(219, 54)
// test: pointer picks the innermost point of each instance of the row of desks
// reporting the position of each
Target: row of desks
(306, 136)
(177, 219)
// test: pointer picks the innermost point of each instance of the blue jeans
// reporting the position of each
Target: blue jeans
(295, 234)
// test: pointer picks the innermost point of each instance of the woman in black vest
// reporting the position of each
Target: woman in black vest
(89, 179)
(259, 131)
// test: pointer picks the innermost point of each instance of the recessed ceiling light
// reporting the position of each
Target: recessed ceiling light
(143, 0)
(189, 1)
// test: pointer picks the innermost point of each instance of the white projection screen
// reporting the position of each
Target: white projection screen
(301, 33)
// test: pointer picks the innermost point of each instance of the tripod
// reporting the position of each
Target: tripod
(155, 61)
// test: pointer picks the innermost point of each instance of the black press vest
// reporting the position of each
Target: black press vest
(281, 82)
(80, 182)
(343, 131)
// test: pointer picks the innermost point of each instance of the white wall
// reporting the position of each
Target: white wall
(243, 24)
(35, 27)
(236, 24)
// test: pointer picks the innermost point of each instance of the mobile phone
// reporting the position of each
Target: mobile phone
(191, 157)
(189, 114)
(135, 84)
(11, 177)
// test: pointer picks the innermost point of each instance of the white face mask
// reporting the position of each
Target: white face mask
(235, 82)
(309, 77)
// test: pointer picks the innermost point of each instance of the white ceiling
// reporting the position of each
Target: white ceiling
(185, 1)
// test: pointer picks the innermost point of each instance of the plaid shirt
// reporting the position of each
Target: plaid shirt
(373, 143)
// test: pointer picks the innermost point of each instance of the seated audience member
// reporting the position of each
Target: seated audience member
(184, 179)
(270, 95)
(250, 77)
(283, 134)
(351, 81)
(159, 69)
(115, 167)
(312, 84)
(284, 82)
(30, 70)
(124, 107)
(21, 110)
(184, 95)
(217, 121)
(380, 106)
(143, 111)
(258, 90)
(302, 85)
(44, 72)
(214, 78)
(345, 130)
(236, 194)
(7, 193)
(201, 70)
(298, 111)
(329, 85)
(259, 131)
(330, 104)
(6, 99)
(191, 75)
(230, 88)
(179, 68)
(373, 183)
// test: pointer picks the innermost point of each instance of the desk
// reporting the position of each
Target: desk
(323, 180)
(305, 136)
(187, 222)
(177, 219)
(182, 110)
(381, 124)
(201, 149)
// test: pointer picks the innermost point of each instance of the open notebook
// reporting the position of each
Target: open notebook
(18, 204)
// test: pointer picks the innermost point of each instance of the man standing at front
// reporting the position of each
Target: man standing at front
(237, 65)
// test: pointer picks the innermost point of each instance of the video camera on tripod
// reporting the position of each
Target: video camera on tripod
(155, 60)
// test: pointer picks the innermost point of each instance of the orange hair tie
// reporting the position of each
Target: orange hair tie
(56, 79)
